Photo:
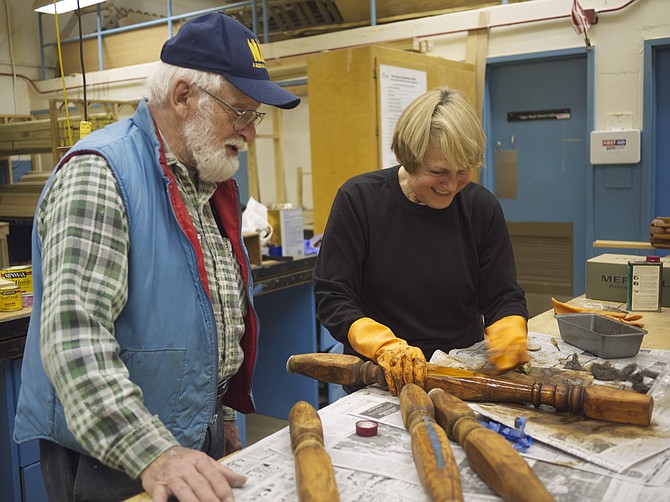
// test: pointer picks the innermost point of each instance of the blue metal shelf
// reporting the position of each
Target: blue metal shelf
(169, 20)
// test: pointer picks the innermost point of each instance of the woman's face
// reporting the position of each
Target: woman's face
(436, 182)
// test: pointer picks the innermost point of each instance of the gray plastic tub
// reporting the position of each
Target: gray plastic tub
(600, 335)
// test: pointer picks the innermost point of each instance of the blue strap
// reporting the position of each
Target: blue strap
(519, 439)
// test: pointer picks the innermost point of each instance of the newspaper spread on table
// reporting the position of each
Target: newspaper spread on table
(380, 468)
(614, 446)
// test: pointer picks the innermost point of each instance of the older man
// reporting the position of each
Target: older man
(143, 334)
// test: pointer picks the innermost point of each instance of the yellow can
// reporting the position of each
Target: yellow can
(10, 299)
(21, 275)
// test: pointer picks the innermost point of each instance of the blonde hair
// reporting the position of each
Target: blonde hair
(444, 117)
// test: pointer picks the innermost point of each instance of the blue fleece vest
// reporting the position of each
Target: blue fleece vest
(166, 331)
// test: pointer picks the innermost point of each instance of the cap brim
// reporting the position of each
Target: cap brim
(265, 91)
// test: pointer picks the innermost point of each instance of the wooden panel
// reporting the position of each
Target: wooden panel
(544, 256)
(344, 111)
(623, 244)
(119, 49)
(477, 48)
(343, 122)
(295, 67)
(18, 201)
(359, 10)
(4, 251)
(26, 137)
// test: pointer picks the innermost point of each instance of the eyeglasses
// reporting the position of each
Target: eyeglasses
(244, 117)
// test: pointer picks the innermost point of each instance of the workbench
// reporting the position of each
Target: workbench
(284, 300)
(20, 476)
(657, 324)
(381, 468)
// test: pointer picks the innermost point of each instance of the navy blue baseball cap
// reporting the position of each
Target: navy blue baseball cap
(217, 43)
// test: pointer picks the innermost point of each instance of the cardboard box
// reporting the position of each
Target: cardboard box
(607, 277)
(4, 250)
(252, 241)
(287, 231)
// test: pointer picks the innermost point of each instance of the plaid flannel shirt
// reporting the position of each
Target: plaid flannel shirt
(83, 226)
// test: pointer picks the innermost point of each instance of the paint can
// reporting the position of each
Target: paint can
(645, 285)
(10, 299)
(21, 275)
(27, 300)
(366, 428)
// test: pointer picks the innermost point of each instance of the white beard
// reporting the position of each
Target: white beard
(213, 164)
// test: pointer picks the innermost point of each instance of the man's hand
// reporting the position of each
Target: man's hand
(190, 476)
(231, 437)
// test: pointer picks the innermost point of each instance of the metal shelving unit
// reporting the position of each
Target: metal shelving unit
(169, 20)
(265, 13)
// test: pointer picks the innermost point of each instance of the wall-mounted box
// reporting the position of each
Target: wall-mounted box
(615, 147)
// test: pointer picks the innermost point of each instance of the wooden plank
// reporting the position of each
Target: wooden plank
(288, 68)
(622, 244)
(9, 118)
(43, 135)
(6, 164)
(276, 15)
(18, 129)
(118, 50)
(333, 12)
(4, 249)
(359, 10)
(24, 148)
(280, 180)
(32, 137)
(475, 53)
(252, 168)
(18, 207)
(543, 252)
(55, 134)
(300, 12)
(19, 190)
(324, 12)
(333, 122)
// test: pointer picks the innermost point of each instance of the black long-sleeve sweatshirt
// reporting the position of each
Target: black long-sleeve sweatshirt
(428, 274)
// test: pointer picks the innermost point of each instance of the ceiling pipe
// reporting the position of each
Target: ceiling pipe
(463, 30)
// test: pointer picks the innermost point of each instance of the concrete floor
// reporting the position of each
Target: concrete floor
(260, 426)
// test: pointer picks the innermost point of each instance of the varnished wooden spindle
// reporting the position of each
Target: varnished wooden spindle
(314, 474)
(435, 462)
(593, 401)
(490, 455)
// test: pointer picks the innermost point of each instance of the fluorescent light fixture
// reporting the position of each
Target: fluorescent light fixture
(61, 6)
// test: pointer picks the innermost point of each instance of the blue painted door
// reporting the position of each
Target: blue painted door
(662, 132)
(552, 154)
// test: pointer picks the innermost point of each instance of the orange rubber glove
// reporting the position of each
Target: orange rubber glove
(506, 342)
(624, 317)
(400, 362)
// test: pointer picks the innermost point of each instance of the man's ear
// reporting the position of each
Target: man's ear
(182, 98)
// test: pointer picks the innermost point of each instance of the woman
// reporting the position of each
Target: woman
(417, 258)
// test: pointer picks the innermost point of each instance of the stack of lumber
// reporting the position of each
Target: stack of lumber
(30, 135)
